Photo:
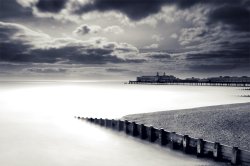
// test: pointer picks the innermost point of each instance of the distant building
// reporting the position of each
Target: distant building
(148, 79)
(167, 78)
(157, 78)
(193, 79)
(228, 79)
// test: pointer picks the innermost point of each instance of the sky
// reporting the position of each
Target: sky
(121, 39)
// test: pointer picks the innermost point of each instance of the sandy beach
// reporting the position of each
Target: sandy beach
(227, 124)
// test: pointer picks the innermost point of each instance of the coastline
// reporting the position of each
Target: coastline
(227, 124)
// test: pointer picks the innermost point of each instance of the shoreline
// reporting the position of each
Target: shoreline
(228, 124)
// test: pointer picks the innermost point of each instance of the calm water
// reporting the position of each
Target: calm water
(37, 125)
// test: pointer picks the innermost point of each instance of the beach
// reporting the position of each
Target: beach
(228, 124)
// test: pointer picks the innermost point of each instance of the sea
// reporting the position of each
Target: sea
(38, 128)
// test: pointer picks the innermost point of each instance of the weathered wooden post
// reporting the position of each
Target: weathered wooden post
(151, 133)
(200, 148)
(100, 122)
(173, 144)
(162, 137)
(95, 120)
(143, 131)
(134, 129)
(185, 144)
(126, 126)
(119, 125)
(235, 156)
(112, 123)
(106, 122)
(217, 151)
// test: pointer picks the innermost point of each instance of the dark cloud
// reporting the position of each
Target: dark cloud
(15, 52)
(53, 6)
(236, 16)
(10, 9)
(134, 9)
(219, 60)
(116, 70)
(24, 48)
(160, 56)
(139, 9)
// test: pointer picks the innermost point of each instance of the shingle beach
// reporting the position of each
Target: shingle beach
(227, 124)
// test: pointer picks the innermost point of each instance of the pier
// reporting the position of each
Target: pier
(164, 79)
(190, 83)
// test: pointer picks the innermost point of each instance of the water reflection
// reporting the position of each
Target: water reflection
(37, 125)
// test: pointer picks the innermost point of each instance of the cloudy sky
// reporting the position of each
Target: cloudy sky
(120, 39)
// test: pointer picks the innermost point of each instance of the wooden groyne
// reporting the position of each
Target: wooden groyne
(230, 84)
(190, 145)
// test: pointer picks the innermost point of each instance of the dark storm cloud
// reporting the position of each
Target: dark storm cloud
(134, 9)
(53, 6)
(139, 9)
(19, 44)
(219, 60)
(225, 11)
(236, 16)
(12, 9)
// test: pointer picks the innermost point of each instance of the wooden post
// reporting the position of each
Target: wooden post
(119, 125)
(162, 137)
(126, 123)
(200, 148)
(217, 151)
(143, 131)
(100, 122)
(151, 134)
(106, 122)
(235, 156)
(185, 143)
(173, 144)
(113, 124)
(134, 127)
